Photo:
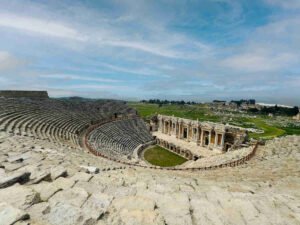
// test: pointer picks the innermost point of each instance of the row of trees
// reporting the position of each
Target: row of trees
(167, 102)
(276, 110)
(246, 101)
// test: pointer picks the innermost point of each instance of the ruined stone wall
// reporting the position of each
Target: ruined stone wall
(24, 94)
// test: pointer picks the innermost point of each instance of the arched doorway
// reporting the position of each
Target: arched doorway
(184, 133)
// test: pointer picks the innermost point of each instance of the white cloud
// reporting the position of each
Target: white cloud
(145, 47)
(40, 26)
(150, 38)
(272, 47)
(97, 87)
(9, 62)
(137, 71)
(288, 4)
(259, 62)
(78, 77)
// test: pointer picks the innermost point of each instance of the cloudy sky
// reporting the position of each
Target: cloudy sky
(193, 50)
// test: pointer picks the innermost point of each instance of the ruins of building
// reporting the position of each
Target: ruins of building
(209, 135)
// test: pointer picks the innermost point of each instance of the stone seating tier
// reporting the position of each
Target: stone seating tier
(56, 120)
(118, 139)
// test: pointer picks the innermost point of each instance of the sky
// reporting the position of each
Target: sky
(167, 49)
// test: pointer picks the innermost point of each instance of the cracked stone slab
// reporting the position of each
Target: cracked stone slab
(41, 176)
(67, 214)
(46, 190)
(57, 172)
(97, 205)
(74, 196)
(16, 177)
(19, 196)
(10, 215)
(64, 183)
(90, 169)
(80, 176)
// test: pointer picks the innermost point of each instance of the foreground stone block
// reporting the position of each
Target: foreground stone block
(41, 176)
(175, 208)
(13, 166)
(19, 196)
(46, 190)
(90, 187)
(90, 169)
(137, 217)
(10, 215)
(64, 183)
(134, 203)
(37, 211)
(97, 205)
(66, 214)
(74, 196)
(17, 177)
(57, 172)
(80, 176)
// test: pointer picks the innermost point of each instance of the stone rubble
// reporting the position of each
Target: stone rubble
(50, 187)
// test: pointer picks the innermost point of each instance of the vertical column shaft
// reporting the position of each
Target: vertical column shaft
(222, 140)
(201, 141)
(216, 139)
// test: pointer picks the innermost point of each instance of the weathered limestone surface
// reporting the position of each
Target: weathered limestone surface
(19, 196)
(65, 214)
(265, 190)
(10, 215)
(97, 204)
(46, 190)
(58, 171)
(90, 169)
(6, 181)
(74, 196)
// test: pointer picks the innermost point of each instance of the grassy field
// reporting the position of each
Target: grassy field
(270, 131)
(203, 113)
(159, 156)
(185, 111)
(291, 130)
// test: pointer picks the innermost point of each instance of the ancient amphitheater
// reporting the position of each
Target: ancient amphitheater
(65, 162)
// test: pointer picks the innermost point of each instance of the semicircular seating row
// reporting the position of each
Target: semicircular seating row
(56, 120)
(118, 139)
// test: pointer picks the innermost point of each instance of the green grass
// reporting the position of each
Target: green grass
(291, 130)
(259, 123)
(193, 112)
(203, 113)
(159, 156)
(269, 131)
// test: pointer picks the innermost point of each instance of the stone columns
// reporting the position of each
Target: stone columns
(209, 137)
(216, 139)
(202, 133)
(170, 127)
(176, 129)
(188, 132)
(197, 136)
(222, 140)
(160, 125)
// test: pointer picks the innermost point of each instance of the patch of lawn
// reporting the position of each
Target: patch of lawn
(159, 156)
(193, 112)
(291, 130)
(270, 131)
